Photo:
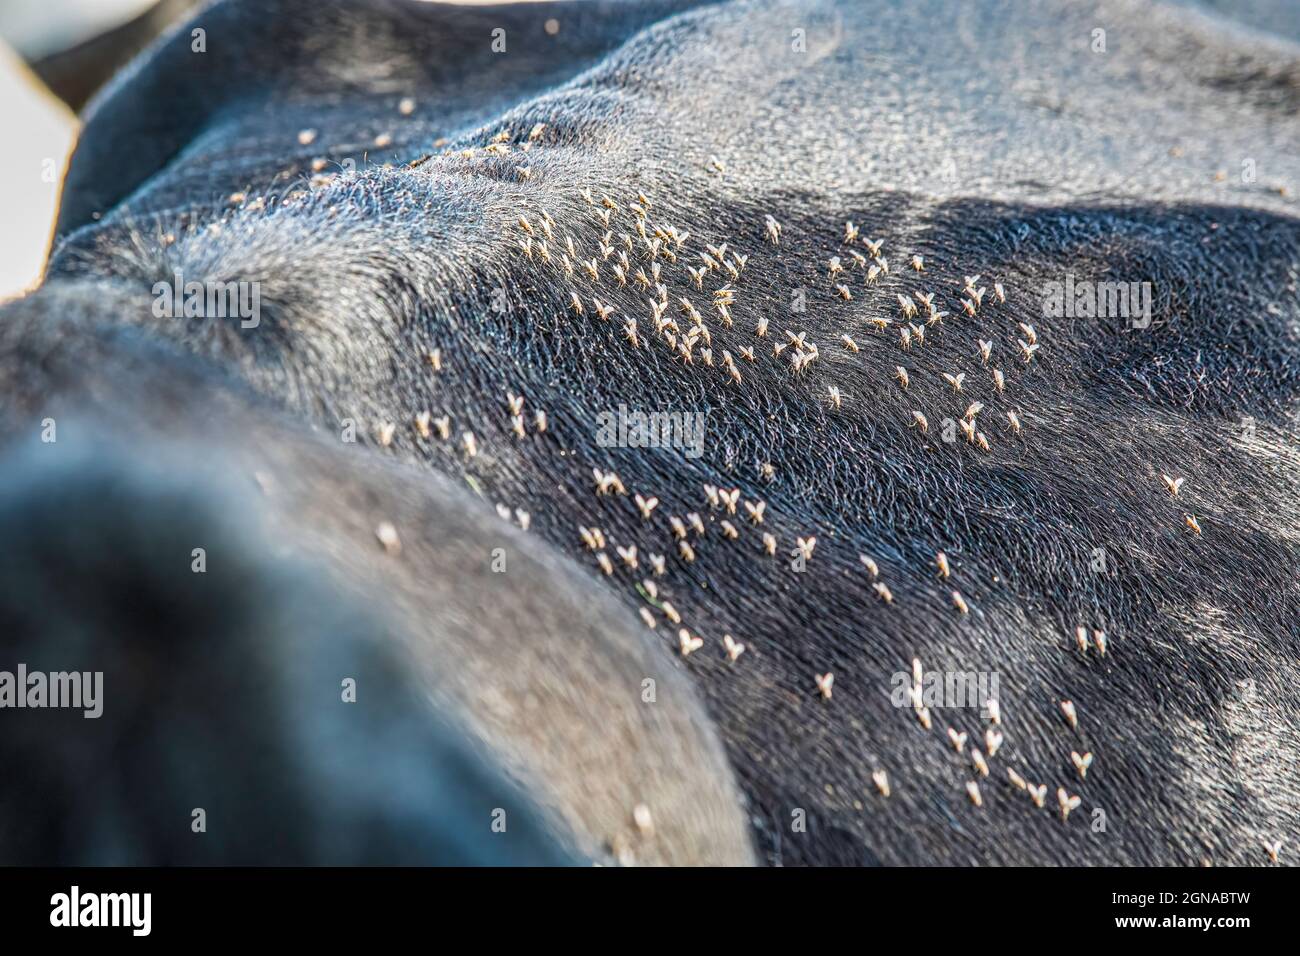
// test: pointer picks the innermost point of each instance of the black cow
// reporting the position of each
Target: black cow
(946, 357)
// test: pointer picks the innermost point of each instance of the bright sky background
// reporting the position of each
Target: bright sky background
(39, 130)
